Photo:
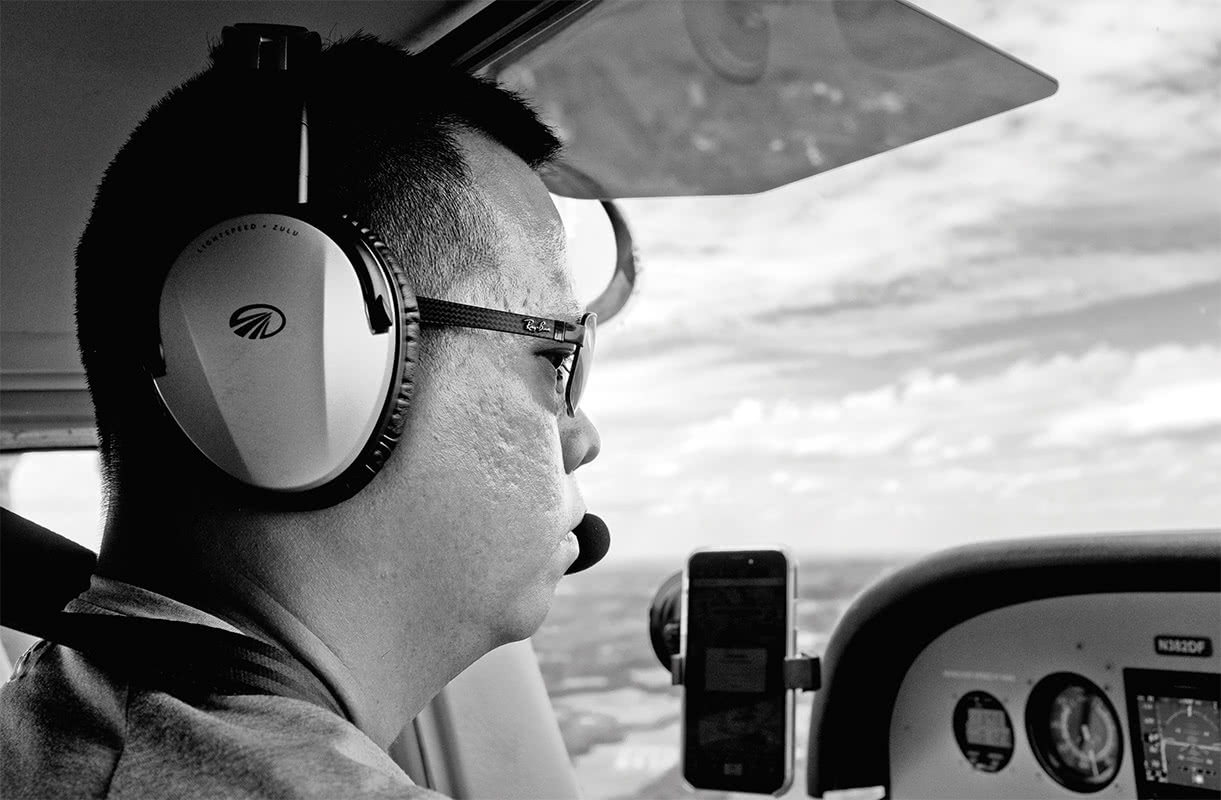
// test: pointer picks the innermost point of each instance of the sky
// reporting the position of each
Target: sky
(1011, 329)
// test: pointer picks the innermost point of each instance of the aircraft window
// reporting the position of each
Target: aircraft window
(60, 490)
(1006, 330)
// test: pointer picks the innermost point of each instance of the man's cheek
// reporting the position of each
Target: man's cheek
(525, 442)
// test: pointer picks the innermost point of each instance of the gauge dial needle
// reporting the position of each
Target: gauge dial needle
(1085, 736)
(1093, 762)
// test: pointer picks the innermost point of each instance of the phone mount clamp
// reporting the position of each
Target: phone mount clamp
(802, 672)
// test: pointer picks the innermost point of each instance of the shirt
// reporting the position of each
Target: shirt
(69, 729)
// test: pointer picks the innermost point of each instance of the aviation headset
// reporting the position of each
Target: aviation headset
(287, 337)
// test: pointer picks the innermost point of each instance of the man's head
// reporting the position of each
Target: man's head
(474, 504)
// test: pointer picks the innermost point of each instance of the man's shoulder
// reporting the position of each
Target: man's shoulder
(61, 726)
(69, 729)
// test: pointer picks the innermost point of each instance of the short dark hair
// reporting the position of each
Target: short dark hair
(383, 125)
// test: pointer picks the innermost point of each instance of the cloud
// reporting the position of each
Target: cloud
(1162, 393)
(843, 428)
(1105, 439)
(1063, 401)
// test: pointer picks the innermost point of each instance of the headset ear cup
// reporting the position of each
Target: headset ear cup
(289, 348)
(399, 403)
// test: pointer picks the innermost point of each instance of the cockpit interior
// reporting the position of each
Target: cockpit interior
(1050, 664)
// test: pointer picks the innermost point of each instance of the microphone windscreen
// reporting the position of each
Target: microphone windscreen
(594, 538)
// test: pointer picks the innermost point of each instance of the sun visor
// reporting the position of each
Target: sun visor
(716, 97)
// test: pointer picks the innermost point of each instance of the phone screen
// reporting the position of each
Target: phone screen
(736, 707)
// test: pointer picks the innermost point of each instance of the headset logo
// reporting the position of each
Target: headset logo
(257, 321)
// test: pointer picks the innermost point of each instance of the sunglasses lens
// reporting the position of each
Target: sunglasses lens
(580, 366)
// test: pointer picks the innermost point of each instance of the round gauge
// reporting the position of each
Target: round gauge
(1074, 732)
(983, 731)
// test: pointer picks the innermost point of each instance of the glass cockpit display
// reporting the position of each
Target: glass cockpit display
(1175, 720)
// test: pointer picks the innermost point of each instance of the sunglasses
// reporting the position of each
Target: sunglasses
(581, 333)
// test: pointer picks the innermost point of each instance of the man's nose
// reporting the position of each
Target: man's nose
(581, 441)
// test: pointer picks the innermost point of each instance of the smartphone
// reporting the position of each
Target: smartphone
(737, 629)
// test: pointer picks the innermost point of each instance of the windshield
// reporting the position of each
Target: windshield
(1011, 329)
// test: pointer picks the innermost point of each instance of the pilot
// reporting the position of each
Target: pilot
(453, 548)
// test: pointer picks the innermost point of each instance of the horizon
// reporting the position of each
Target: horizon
(34, 492)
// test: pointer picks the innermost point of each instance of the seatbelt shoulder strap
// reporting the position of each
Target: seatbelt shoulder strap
(190, 661)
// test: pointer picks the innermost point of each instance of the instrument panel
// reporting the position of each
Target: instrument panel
(1103, 695)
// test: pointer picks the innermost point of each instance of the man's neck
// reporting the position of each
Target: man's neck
(382, 662)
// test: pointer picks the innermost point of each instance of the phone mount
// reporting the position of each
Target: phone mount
(801, 672)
